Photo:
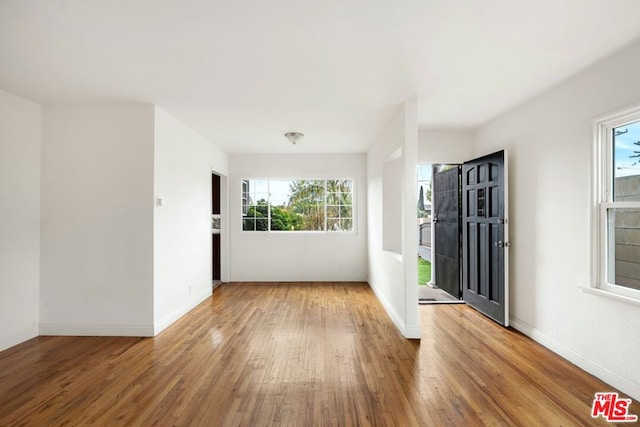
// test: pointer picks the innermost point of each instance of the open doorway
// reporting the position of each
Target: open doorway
(469, 245)
(428, 290)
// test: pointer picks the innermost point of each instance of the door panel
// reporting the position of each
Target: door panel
(215, 234)
(484, 236)
(446, 192)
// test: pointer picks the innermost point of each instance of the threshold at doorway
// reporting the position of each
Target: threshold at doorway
(430, 295)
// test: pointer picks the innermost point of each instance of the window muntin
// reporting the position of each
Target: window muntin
(618, 167)
(255, 194)
(297, 205)
(339, 205)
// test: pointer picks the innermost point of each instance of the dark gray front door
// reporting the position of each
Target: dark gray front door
(446, 221)
(485, 236)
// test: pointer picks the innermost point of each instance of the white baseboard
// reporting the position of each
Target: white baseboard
(17, 337)
(395, 317)
(579, 360)
(170, 318)
(96, 330)
(412, 332)
(55, 329)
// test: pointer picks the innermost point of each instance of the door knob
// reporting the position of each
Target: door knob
(501, 244)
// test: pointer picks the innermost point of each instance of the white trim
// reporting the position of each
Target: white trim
(594, 211)
(505, 192)
(601, 193)
(603, 252)
(620, 205)
(295, 232)
(395, 317)
(393, 255)
(578, 359)
(176, 314)
(618, 296)
(66, 329)
(18, 337)
(412, 333)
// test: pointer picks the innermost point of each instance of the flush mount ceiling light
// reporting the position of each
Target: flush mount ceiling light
(293, 137)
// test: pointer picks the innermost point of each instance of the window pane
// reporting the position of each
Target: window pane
(336, 224)
(333, 198)
(258, 191)
(259, 186)
(260, 210)
(333, 224)
(306, 204)
(311, 218)
(345, 212)
(339, 185)
(626, 162)
(262, 224)
(255, 206)
(248, 224)
(339, 199)
(338, 211)
(279, 192)
(281, 219)
(624, 247)
(333, 212)
(297, 205)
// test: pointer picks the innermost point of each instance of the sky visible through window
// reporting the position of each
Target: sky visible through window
(625, 138)
(277, 190)
(424, 181)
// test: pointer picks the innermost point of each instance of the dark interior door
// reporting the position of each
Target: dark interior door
(215, 236)
(484, 236)
(446, 222)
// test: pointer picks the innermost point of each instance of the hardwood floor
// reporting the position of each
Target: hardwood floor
(297, 354)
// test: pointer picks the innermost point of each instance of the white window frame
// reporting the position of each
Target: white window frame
(325, 228)
(602, 202)
(245, 200)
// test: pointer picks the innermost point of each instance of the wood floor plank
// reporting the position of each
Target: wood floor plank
(276, 354)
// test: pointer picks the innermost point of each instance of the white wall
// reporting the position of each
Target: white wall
(182, 227)
(97, 220)
(392, 275)
(20, 122)
(298, 256)
(392, 177)
(550, 140)
(444, 146)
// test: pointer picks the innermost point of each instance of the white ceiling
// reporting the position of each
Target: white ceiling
(243, 72)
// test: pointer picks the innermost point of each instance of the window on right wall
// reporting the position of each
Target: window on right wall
(617, 203)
